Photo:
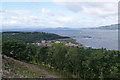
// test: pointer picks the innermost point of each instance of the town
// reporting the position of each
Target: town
(67, 42)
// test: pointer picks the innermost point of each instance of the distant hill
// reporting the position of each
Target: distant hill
(31, 37)
(109, 27)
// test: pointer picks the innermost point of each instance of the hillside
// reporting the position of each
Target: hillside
(30, 37)
(16, 69)
(108, 27)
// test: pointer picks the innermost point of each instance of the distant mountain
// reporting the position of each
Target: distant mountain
(109, 27)
(38, 29)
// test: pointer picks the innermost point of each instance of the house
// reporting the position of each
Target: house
(43, 41)
(57, 42)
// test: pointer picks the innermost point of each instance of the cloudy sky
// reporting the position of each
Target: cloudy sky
(58, 14)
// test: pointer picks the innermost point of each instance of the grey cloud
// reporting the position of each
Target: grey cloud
(92, 8)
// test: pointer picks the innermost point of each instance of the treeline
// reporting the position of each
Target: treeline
(30, 37)
(70, 61)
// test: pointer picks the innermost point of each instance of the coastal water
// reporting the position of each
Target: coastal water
(92, 38)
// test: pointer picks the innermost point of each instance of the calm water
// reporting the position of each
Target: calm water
(97, 38)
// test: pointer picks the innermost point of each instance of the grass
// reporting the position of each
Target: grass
(55, 73)
(16, 69)
(13, 68)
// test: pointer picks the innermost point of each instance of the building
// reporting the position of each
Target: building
(43, 41)
(57, 41)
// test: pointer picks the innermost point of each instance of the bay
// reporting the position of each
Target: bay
(92, 38)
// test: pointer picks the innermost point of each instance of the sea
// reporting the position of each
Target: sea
(94, 38)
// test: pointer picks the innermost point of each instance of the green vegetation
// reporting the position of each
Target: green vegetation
(71, 62)
(30, 37)
(15, 69)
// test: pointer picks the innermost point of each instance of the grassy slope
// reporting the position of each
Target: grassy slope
(16, 69)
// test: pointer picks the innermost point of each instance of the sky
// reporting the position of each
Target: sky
(54, 14)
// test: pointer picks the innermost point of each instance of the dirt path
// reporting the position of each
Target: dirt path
(30, 66)
(43, 72)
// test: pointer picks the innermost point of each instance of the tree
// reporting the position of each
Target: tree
(13, 49)
(58, 52)
(31, 53)
(75, 61)
(42, 55)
